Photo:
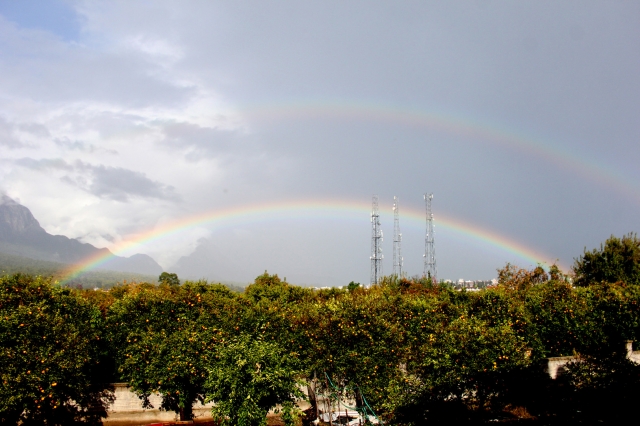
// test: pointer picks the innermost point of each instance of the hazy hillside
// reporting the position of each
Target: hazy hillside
(11, 264)
(22, 235)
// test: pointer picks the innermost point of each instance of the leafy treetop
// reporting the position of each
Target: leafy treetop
(617, 260)
(169, 279)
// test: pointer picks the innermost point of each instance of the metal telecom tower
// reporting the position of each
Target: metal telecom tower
(397, 239)
(376, 243)
(430, 268)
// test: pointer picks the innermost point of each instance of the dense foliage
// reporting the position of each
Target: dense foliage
(168, 278)
(164, 339)
(249, 377)
(419, 352)
(617, 260)
(51, 355)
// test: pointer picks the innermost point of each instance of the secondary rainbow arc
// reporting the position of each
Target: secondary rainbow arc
(597, 172)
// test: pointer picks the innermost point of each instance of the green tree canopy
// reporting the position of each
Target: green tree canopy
(51, 355)
(353, 285)
(169, 279)
(249, 377)
(268, 289)
(617, 260)
(166, 337)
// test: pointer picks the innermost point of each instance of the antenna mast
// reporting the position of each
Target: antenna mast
(376, 243)
(397, 239)
(430, 269)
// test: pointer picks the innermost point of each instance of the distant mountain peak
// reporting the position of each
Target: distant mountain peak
(21, 234)
(16, 218)
(5, 199)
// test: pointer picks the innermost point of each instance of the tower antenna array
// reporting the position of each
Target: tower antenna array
(397, 240)
(430, 268)
(376, 243)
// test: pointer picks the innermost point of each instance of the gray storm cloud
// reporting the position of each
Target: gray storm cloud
(120, 116)
(113, 183)
(201, 141)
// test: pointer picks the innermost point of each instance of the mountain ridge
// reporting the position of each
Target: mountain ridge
(21, 234)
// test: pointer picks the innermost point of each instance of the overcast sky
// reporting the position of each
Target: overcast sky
(523, 119)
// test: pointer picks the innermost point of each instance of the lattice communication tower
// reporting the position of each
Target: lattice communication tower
(430, 268)
(376, 243)
(397, 241)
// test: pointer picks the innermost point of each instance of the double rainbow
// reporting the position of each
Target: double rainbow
(471, 130)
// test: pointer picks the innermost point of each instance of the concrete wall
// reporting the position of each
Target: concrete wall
(631, 354)
(555, 365)
(127, 409)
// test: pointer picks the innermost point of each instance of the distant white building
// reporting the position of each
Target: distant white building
(472, 284)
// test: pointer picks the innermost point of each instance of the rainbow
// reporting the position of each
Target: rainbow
(306, 209)
(467, 128)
